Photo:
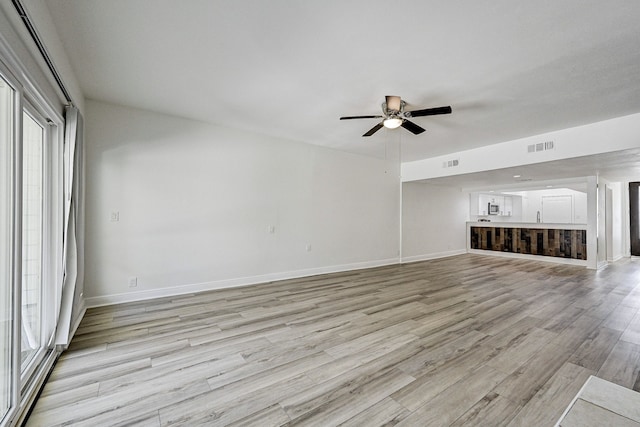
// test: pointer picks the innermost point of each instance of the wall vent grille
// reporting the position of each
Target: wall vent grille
(450, 163)
(540, 146)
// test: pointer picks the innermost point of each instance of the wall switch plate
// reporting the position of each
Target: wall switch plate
(271, 229)
(308, 247)
(133, 281)
(115, 216)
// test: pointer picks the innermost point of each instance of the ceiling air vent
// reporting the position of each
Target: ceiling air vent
(540, 146)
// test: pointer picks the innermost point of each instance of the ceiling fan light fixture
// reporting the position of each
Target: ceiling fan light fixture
(394, 115)
(392, 123)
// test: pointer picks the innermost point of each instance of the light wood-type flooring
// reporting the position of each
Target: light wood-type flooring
(469, 340)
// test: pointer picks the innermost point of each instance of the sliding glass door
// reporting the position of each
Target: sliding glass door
(7, 308)
(30, 244)
(33, 138)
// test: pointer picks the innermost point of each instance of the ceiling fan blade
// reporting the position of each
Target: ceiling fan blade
(393, 102)
(412, 127)
(360, 117)
(374, 129)
(430, 111)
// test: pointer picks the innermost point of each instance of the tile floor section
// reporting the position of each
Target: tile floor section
(602, 403)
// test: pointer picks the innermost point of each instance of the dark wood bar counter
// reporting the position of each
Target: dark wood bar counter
(555, 241)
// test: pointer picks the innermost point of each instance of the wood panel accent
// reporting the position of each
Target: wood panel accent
(466, 341)
(533, 241)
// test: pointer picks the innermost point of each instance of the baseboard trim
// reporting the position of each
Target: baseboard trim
(556, 260)
(229, 283)
(83, 310)
(616, 258)
(435, 255)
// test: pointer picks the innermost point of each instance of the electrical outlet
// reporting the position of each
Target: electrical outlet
(133, 281)
(115, 216)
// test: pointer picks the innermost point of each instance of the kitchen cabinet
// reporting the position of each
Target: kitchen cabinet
(508, 206)
(505, 204)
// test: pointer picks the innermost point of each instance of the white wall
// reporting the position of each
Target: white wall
(532, 203)
(617, 221)
(196, 201)
(433, 221)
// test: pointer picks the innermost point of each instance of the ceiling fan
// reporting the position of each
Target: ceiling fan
(394, 116)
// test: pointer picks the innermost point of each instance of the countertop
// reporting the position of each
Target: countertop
(506, 224)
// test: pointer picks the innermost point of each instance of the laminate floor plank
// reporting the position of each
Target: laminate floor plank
(550, 401)
(157, 376)
(58, 383)
(429, 385)
(576, 333)
(467, 340)
(447, 320)
(431, 357)
(455, 400)
(492, 410)
(49, 399)
(341, 404)
(515, 352)
(595, 349)
(563, 319)
(622, 366)
(383, 320)
(193, 355)
(128, 405)
(632, 299)
(620, 318)
(263, 373)
(273, 415)
(336, 324)
(71, 366)
(217, 409)
(370, 339)
(390, 352)
(385, 413)
(524, 383)
(632, 332)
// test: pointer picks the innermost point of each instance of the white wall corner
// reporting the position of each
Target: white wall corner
(592, 222)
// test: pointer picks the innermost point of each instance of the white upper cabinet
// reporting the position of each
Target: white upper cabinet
(504, 203)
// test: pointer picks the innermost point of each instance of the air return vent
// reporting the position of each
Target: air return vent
(450, 163)
(540, 146)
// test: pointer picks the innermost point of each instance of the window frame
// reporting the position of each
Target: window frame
(15, 258)
(45, 279)
(26, 95)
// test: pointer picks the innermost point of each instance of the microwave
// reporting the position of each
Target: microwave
(493, 209)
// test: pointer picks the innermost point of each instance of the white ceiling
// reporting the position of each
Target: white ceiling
(290, 69)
